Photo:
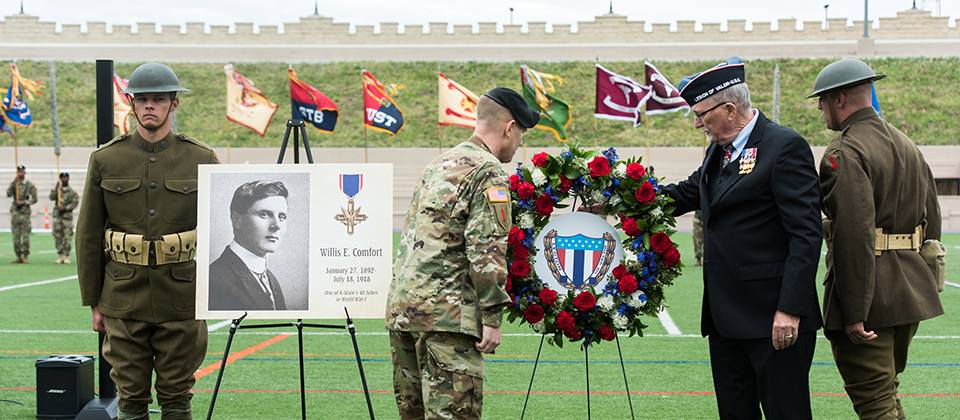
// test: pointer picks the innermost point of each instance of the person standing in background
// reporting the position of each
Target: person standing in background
(66, 199)
(24, 195)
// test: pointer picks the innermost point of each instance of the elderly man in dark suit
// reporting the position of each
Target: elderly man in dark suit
(881, 200)
(239, 279)
(757, 189)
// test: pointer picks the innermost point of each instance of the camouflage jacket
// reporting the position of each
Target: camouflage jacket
(68, 199)
(451, 264)
(27, 193)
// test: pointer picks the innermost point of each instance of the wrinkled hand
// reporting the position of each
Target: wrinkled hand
(786, 328)
(490, 341)
(98, 325)
(857, 334)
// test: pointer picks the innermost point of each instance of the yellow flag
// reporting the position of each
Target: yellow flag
(121, 109)
(246, 105)
(458, 105)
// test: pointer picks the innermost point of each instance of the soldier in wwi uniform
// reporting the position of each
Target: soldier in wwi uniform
(140, 201)
(66, 199)
(446, 300)
(24, 195)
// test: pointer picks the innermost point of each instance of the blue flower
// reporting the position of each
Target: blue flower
(565, 154)
(611, 155)
(644, 272)
(528, 241)
(607, 192)
(615, 181)
(625, 309)
(525, 204)
(638, 243)
(582, 181)
(610, 289)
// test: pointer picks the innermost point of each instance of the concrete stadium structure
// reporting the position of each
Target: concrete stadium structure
(611, 37)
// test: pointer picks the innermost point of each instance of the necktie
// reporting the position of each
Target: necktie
(727, 153)
(265, 285)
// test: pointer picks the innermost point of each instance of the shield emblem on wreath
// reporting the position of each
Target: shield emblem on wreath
(578, 262)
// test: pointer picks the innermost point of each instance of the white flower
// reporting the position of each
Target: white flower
(615, 199)
(620, 171)
(561, 298)
(539, 179)
(656, 213)
(526, 221)
(539, 327)
(620, 322)
(638, 299)
(628, 254)
(606, 302)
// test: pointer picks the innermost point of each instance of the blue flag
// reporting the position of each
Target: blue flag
(15, 110)
(874, 101)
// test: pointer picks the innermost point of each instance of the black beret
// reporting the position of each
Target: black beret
(696, 88)
(21, 168)
(510, 99)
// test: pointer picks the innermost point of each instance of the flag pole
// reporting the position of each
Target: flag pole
(596, 120)
(228, 140)
(55, 123)
(440, 142)
(363, 97)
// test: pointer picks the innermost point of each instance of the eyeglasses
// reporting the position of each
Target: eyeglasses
(701, 114)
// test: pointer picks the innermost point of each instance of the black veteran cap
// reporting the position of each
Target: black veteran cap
(510, 99)
(63, 174)
(21, 168)
(696, 88)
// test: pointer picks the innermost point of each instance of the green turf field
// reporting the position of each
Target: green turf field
(669, 376)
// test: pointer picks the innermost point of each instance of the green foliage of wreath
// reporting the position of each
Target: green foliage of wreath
(634, 288)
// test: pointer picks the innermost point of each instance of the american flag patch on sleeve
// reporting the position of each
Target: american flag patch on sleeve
(497, 195)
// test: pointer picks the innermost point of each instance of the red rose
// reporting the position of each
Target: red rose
(548, 297)
(520, 253)
(514, 182)
(525, 191)
(565, 184)
(599, 166)
(630, 227)
(627, 284)
(515, 236)
(636, 170)
(671, 257)
(565, 322)
(573, 334)
(660, 242)
(607, 333)
(544, 205)
(520, 269)
(541, 160)
(645, 193)
(619, 271)
(533, 314)
(585, 301)
(508, 286)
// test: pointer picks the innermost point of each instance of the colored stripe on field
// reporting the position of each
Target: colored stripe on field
(239, 355)
(953, 285)
(17, 286)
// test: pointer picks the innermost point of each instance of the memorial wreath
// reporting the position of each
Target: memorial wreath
(634, 287)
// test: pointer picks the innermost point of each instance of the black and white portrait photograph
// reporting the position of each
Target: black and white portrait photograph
(259, 246)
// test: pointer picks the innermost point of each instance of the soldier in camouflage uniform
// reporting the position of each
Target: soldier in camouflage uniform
(63, 217)
(24, 195)
(698, 237)
(446, 300)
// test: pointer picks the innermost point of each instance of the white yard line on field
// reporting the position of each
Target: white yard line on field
(219, 325)
(953, 285)
(668, 323)
(17, 286)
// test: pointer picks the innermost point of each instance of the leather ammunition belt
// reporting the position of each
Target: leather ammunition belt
(886, 242)
(136, 249)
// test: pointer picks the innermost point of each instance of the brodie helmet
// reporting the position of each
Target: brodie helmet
(153, 77)
(848, 72)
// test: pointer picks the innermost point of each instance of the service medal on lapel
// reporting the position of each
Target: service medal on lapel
(748, 159)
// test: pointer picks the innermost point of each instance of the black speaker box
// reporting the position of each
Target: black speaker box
(64, 385)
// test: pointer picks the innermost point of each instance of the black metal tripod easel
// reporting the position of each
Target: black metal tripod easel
(300, 131)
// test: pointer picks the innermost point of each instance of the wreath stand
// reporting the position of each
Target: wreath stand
(235, 325)
(586, 359)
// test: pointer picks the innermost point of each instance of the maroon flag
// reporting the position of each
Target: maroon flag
(665, 96)
(619, 97)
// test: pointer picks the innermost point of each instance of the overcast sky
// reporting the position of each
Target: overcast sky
(422, 12)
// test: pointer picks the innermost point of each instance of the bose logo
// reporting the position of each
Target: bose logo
(56, 391)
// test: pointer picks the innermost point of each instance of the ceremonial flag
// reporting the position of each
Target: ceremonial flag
(310, 105)
(5, 127)
(458, 105)
(665, 96)
(874, 101)
(538, 91)
(380, 111)
(246, 105)
(15, 110)
(619, 97)
(121, 106)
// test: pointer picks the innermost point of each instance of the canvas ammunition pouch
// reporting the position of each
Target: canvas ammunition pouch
(934, 254)
(135, 249)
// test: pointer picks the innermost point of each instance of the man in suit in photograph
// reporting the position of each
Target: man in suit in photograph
(757, 190)
(239, 278)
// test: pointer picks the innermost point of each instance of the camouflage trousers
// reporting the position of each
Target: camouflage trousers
(136, 349)
(20, 226)
(63, 235)
(697, 235)
(437, 375)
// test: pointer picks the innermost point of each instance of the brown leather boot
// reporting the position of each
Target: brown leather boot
(24, 259)
(19, 260)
